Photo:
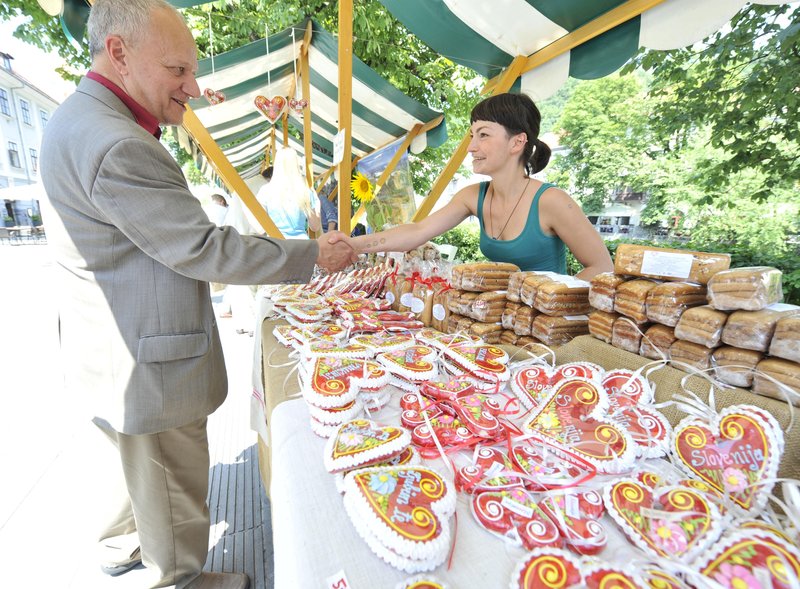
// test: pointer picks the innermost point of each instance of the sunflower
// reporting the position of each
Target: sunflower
(362, 189)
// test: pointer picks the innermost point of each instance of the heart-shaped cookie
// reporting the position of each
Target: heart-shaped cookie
(548, 568)
(648, 428)
(532, 385)
(605, 576)
(734, 454)
(514, 515)
(447, 429)
(380, 342)
(672, 521)
(362, 442)
(627, 387)
(407, 457)
(479, 413)
(587, 370)
(298, 105)
(448, 390)
(272, 109)
(335, 382)
(415, 363)
(214, 97)
(573, 418)
(334, 348)
(550, 467)
(485, 362)
(403, 513)
(491, 469)
(439, 340)
(577, 516)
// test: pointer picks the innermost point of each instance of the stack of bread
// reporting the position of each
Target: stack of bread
(692, 308)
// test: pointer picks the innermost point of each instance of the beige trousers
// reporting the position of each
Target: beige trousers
(160, 502)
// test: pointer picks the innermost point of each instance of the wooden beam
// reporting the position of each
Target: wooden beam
(306, 83)
(604, 22)
(285, 125)
(508, 77)
(345, 108)
(226, 171)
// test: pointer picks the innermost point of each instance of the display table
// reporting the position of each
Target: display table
(313, 537)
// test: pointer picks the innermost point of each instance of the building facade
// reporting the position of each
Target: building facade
(24, 112)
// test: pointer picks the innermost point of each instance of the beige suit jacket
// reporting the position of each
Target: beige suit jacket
(134, 253)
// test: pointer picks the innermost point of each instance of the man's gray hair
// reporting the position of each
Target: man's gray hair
(126, 18)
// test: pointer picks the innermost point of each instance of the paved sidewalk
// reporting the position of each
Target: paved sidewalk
(47, 515)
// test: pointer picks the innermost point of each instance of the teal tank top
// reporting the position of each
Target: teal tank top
(532, 249)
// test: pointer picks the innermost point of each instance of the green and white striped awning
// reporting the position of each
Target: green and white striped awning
(486, 36)
(381, 113)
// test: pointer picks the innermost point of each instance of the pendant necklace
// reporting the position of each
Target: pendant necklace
(511, 214)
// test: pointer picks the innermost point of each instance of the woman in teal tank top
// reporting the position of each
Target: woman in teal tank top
(523, 220)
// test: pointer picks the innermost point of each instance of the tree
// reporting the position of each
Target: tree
(741, 82)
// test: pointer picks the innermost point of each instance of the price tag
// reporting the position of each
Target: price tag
(417, 305)
(438, 312)
(667, 264)
(492, 471)
(406, 299)
(337, 581)
(572, 506)
(390, 297)
(338, 147)
(517, 507)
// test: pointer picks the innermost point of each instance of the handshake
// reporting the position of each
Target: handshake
(336, 251)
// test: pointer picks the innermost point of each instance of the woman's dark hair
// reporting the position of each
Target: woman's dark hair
(518, 114)
(267, 173)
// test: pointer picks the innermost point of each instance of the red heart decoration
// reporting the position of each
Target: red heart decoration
(486, 362)
(334, 382)
(446, 391)
(384, 341)
(532, 385)
(627, 388)
(514, 515)
(272, 109)
(605, 576)
(440, 340)
(488, 462)
(741, 447)
(415, 363)
(214, 97)
(577, 516)
(690, 522)
(361, 442)
(648, 428)
(586, 370)
(449, 430)
(572, 418)
(298, 105)
(550, 467)
(478, 412)
(547, 567)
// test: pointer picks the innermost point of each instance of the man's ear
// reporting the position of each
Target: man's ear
(117, 53)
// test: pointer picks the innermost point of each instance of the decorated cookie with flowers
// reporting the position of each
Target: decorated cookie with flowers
(408, 457)
(577, 516)
(335, 382)
(514, 515)
(490, 469)
(362, 442)
(486, 362)
(550, 467)
(547, 568)
(532, 385)
(415, 363)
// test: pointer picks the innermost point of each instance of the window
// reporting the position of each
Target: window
(25, 107)
(34, 160)
(6, 61)
(13, 154)
(44, 116)
(4, 107)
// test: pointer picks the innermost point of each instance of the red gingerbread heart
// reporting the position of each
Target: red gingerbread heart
(672, 521)
(479, 413)
(271, 109)
(605, 576)
(334, 382)
(214, 97)
(414, 363)
(491, 469)
(573, 418)
(362, 442)
(513, 514)
(586, 370)
(577, 516)
(626, 387)
(447, 429)
(550, 467)
(384, 341)
(486, 362)
(298, 105)
(446, 390)
(734, 454)
(547, 568)
(532, 385)
(648, 428)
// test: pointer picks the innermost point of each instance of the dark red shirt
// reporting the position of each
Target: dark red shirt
(145, 120)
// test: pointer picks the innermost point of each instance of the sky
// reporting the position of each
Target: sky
(32, 63)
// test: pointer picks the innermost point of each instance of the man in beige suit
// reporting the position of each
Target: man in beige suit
(135, 253)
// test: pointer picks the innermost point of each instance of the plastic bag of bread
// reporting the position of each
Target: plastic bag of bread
(557, 331)
(463, 306)
(509, 312)
(601, 324)
(668, 264)
(786, 372)
(508, 337)
(515, 281)
(667, 302)
(786, 339)
(564, 295)
(488, 307)
(530, 285)
(452, 322)
(701, 325)
(751, 289)
(631, 299)
(405, 293)
(753, 330)
(422, 303)
(627, 335)
(452, 299)
(690, 353)
(602, 289)
(392, 290)
(656, 342)
(528, 343)
(735, 366)
(483, 276)
(488, 332)
(523, 319)
(439, 310)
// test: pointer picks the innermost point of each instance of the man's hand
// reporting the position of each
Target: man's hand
(335, 251)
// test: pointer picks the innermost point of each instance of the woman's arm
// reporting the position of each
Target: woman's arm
(563, 216)
(406, 237)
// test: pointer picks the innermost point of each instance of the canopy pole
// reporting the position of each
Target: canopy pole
(222, 166)
(345, 109)
(507, 79)
(307, 133)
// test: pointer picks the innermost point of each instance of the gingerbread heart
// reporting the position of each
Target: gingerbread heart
(491, 469)
(626, 387)
(752, 558)
(648, 428)
(383, 341)
(486, 362)
(605, 576)
(403, 514)
(513, 514)
(577, 516)
(334, 348)
(573, 418)
(734, 454)
(334, 382)
(411, 418)
(672, 521)
(478, 412)
(214, 97)
(283, 333)
(531, 385)
(587, 370)
(440, 341)
(324, 331)
(298, 105)
(271, 109)
(407, 457)
(448, 390)
(362, 442)
(447, 429)
(414, 363)
(550, 467)
(547, 568)
(307, 312)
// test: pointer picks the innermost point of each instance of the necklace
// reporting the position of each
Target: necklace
(511, 214)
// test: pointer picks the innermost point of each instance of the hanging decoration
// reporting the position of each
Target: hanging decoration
(296, 104)
(213, 97)
(270, 108)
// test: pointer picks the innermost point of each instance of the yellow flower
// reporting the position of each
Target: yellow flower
(362, 189)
